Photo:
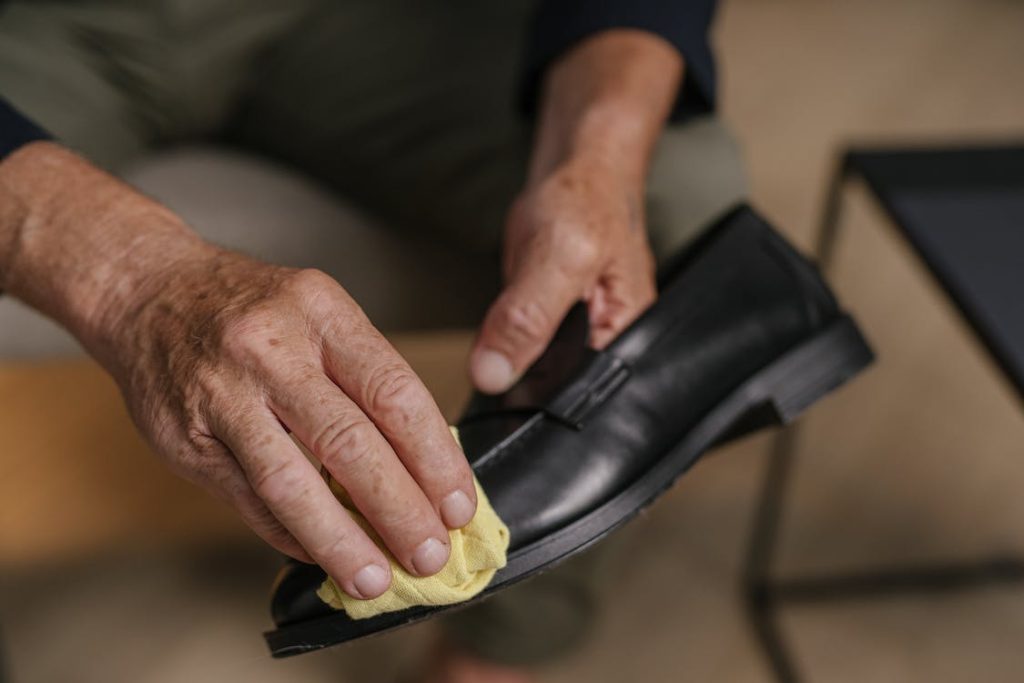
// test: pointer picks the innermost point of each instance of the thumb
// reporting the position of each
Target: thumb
(519, 325)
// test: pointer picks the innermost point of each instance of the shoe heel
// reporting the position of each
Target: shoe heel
(781, 392)
(812, 370)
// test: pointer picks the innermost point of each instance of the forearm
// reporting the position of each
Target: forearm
(607, 100)
(79, 245)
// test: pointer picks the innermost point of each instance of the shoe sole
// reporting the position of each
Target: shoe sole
(777, 395)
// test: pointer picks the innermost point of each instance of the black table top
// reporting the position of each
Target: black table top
(963, 211)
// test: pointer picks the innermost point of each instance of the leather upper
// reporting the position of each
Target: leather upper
(581, 425)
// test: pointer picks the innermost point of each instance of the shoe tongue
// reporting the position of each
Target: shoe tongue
(568, 353)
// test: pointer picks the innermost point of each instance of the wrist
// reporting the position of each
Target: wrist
(608, 98)
(82, 244)
(609, 137)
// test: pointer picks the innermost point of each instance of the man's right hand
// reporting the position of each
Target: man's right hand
(219, 356)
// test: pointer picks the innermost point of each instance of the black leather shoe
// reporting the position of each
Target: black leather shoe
(744, 334)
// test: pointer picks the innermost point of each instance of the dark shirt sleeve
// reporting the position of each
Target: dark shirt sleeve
(559, 24)
(16, 129)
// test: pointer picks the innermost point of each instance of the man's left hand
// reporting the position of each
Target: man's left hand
(578, 234)
(577, 231)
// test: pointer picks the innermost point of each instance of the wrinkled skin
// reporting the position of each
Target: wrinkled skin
(223, 359)
(229, 353)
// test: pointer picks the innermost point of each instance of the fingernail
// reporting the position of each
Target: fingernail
(457, 510)
(429, 557)
(492, 372)
(371, 581)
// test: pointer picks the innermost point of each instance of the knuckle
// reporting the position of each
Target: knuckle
(314, 288)
(525, 321)
(247, 335)
(296, 387)
(307, 280)
(393, 394)
(344, 444)
(199, 444)
(577, 250)
(322, 299)
(215, 406)
(278, 483)
(231, 414)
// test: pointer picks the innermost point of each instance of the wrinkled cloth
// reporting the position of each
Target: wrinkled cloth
(478, 551)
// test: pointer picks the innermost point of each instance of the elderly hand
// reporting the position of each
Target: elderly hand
(220, 356)
(577, 231)
(578, 234)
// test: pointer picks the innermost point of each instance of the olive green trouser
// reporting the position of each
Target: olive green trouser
(405, 108)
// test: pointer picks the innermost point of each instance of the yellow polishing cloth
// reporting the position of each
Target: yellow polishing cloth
(477, 552)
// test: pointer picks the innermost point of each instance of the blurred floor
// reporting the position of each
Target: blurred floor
(919, 459)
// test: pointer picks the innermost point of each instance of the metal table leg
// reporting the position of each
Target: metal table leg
(764, 595)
